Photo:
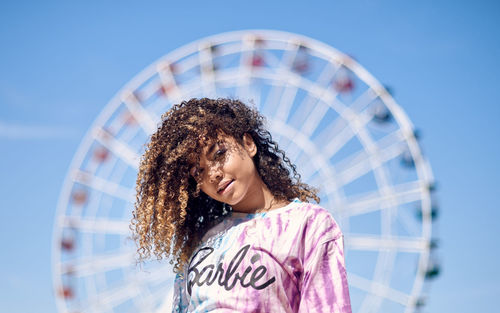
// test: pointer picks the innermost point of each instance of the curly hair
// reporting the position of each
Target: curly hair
(171, 212)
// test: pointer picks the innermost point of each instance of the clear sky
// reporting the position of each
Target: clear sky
(62, 61)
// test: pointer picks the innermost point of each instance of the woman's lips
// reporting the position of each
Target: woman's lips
(225, 187)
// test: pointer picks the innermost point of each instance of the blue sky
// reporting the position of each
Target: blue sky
(61, 62)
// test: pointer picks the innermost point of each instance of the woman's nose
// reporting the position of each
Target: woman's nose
(215, 174)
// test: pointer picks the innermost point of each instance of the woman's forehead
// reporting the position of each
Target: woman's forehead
(207, 145)
(207, 142)
(204, 145)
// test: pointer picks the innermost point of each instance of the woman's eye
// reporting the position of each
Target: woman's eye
(219, 153)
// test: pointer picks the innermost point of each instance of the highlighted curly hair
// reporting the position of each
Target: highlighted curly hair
(171, 212)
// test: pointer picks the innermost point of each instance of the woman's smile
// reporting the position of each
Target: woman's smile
(225, 186)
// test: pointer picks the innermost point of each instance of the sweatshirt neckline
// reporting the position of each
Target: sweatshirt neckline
(293, 203)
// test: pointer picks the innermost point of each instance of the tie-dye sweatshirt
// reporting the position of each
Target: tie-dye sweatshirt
(289, 259)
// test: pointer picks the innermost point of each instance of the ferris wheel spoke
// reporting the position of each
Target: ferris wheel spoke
(407, 221)
(104, 185)
(312, 121)
(87, 266)
(380, 243)
(273, 97)
(378, 289)
(140, 114)
(324, 137)
(164, 297)
(325, 94)
(286, 101)
(293, 152)
(99, 225)
(380, 173)
(289, 55)
(304, 143)
(363, 100)
(340, 125)
(397, 195)
(113, 297)
(303, 162)
(294, 81)
(363, 162)
(161, 295)
(168, 82)
(166, 303)
(158, 274)
(349, 116)
(245, 68)
(161, 278)
(119, 148)
(347, 129)
(271, 60)
(310, 107)
(328, 72)
(147, 301)
(207, 73)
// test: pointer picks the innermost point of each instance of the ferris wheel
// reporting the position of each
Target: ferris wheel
(337, 123)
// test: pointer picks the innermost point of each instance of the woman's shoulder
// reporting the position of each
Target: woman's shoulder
(317, 220)
(311, 210)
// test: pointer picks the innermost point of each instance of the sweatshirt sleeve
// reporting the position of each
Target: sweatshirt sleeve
(179, 301)
(324, 285)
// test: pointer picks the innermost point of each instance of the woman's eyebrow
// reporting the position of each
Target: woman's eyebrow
(211, 148)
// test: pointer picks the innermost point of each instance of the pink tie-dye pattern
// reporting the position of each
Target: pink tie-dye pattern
(301, 248)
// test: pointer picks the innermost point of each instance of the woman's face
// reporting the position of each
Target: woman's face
(227, 172)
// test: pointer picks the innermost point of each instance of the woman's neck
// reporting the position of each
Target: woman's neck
(260, 199)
